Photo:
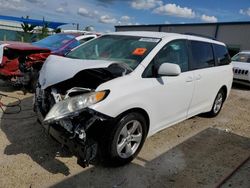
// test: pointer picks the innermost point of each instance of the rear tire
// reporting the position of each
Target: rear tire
(218, 103)
(124, 140)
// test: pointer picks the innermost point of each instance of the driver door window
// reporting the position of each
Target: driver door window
(175, 52)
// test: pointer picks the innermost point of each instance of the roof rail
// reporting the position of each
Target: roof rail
(199, 35)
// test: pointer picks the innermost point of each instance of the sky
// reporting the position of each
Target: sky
(103, 15)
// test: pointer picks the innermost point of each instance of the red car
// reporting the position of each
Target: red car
(21, 62)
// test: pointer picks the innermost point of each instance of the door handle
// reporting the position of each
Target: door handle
(198, 77)
(189, 79)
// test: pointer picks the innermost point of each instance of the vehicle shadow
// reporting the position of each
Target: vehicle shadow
(241, 87)
(201, 161)
(6, 86)
(26, 136)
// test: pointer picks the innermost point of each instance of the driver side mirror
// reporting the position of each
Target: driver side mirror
(169, 69)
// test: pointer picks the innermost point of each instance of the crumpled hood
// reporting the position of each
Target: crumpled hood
(241, 65)
(57, 69)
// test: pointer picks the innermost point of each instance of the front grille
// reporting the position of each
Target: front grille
(240, 71)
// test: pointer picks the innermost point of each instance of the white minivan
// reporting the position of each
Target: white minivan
(109, 94)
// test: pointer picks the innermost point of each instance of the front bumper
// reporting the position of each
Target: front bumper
(241, 74)
(85, 152)
(84, 148)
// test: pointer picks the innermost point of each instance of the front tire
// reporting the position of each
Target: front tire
(125, 139)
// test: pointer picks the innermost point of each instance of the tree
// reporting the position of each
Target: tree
(44, 31)
(28, 31)
(57, 30)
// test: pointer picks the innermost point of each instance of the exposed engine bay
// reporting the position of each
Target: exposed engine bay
(92, 78)
(79, 130)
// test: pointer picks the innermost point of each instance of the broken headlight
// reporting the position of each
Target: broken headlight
(73, 105)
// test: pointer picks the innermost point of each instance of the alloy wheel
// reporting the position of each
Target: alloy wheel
(218, 103)
(129, 139)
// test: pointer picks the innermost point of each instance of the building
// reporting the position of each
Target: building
(236, 35)
(11, 29)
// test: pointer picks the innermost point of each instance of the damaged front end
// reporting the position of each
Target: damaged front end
(62, 107)
(71, 122)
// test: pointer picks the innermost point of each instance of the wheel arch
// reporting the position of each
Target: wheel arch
(138, 110)
(224, 89)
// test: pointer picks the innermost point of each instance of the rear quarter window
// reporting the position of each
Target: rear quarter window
(202, 55)
(221, 55)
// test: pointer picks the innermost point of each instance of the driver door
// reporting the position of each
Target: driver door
(171, 94)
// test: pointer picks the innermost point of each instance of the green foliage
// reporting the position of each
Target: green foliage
(57, 30)
(29, 34)
(44, 31)
(28, 31)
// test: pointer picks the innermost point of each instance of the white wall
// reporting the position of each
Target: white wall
(15, 26)
(202, 30)
(235, 35)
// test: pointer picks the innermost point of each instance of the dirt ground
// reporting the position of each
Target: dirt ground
(199, 152)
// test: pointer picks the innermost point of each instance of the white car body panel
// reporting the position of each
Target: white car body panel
(153, 89)
(186, 101)
(57, 69)
(212, 78)
(161, 91)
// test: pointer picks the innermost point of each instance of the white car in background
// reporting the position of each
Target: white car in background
(108, 95)
(241, 67)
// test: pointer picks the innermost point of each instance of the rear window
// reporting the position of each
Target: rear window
(202, 53)
(221, 54)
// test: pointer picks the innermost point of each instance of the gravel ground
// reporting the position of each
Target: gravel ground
(198, 152)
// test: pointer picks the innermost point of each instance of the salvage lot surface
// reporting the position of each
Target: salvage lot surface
(198, 152)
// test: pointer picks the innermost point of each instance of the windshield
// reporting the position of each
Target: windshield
(242, 57)
(125, 49)
(54, 42)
